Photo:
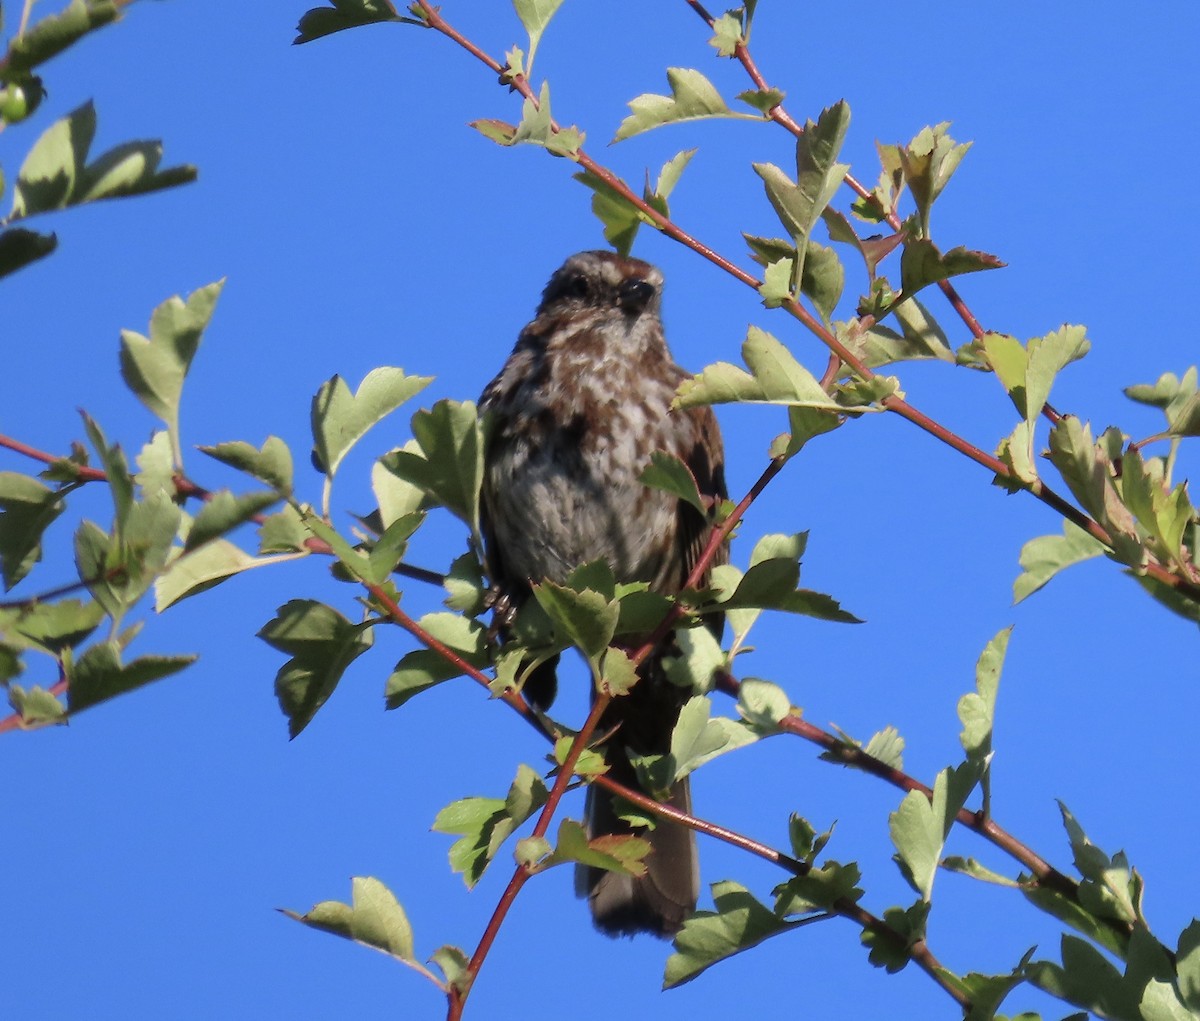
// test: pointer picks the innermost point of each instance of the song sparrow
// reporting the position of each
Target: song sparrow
(581, 404)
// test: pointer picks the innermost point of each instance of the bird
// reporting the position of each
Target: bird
(576, 411)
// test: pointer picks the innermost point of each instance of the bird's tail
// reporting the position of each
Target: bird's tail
(657, 902)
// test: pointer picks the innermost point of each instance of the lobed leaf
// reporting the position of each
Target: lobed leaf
(322, 644)
(99, 674)
(341, 418)
(739, 923)
(27, 509)
(693, 97)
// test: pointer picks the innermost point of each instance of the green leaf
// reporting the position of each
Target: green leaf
(51, 35)
(727, 34)
(154, 367)
(693, 97)
(1110, 888)
(535, 15)
(699, 738)
(1087, 468)
(1187, 964)
(203, 568)
(56, 173)
(50, 627)
(891, 948)
(977, 709)
(272, 463)
(454, 963)
(928, 162)
(799, 203)
(762, 705)
(923, 263)
(618, 215)
(27, 509)
(739, 923)
(423, 668)
(585, 618)
(821, 889)
(1087, 979)
(775, 377)
(344, 14)
(116, 468)
(1042, 558)
(341, 418)
(762, 100)
(447, 463)
(483, 824)
(887, 746)
(99, 674)
(612, 852)
(322, 644)
(1165, 513)
(375, 919)
(668, 473)
(919, 827)
(225, 512)
(700, 657)
(283, 532)
(36, 707)
(970, 867)
(19, 247)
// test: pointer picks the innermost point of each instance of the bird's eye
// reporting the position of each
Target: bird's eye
(578, 287)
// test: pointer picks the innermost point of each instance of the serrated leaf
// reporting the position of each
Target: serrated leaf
(225, 512)
(50, 627)
(56, 173)
(762, 705)
(970, 867)
(919, 827)
(699, 738)
(283, 532)
(344, 14)
(322, 644)
(775, 377)
(483, 824)
(1042, 558)
(421, 669)
(341, 418)
(585, 618)
(1110, 888)
(668, 473)
(36, 707)
(1087, 468)
(922, 263)
(977, 709)
(271, 463)
(727, 34)
(99, 674)
(739, 923)
(700, 657)
(447, 462)
(203, 568)
(887, 746)
(799, 203)
(374, 918)
(619, 217)
(928, 162)
(27, 509)
(762, 100)
(19, 247)
(155, 367)
(693, 97)
(51, 35)
(612, 852)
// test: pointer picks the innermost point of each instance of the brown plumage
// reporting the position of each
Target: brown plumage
(578, 409)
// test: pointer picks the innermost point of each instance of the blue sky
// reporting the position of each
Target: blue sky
(359, 223)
